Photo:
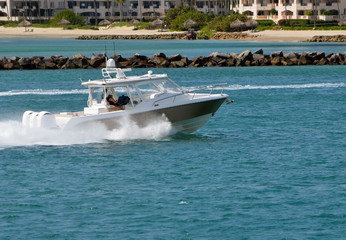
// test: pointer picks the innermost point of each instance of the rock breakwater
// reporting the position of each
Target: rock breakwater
(335, 38)
(134, 36)
(165, 36)
(231, 35)
(160, 60)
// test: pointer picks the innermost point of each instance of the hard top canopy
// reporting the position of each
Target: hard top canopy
(124, 80)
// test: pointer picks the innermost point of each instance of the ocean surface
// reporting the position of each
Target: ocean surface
(272, 165)
(30, 47)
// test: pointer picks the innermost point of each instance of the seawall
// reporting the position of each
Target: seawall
(165, 36)
(160, 60)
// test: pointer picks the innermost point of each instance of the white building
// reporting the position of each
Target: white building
(12, 9)
(291, 9)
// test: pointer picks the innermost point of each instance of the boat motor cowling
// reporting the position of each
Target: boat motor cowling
(42, 119)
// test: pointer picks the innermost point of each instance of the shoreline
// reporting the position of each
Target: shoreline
(262, 36)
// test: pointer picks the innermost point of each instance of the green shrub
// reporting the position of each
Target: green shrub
(206, 32)
(294, 22)
(330, 12)
(222, 23)
(144, 25)
(178, 23)
(175, 12)
(266, 23)
(70, 16)
(273, 12)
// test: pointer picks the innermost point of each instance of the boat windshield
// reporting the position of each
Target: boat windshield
(151, 89)
(98, 94)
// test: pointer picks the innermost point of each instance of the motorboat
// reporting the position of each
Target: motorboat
(140, 98)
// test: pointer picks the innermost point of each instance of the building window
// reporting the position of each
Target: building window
(301, 12)
(200, 4)
(134, 4)
(156, 4)
(61, 5)
(89, 4)
(169, 4)
(260, 13)
(107, 4)
(71, 4)
(146, 4)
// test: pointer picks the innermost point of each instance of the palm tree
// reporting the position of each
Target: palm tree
(95, 13)
(139, 9)
(121, 3)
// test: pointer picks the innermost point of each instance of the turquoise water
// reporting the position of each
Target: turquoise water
(269, 166)
(127, 48)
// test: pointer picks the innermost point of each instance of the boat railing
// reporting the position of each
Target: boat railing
(194, 91)
(120, 73)
(209, 88)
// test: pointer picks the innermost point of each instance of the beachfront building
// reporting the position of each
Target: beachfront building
(105, 9)
(291, 9)
(30, 9)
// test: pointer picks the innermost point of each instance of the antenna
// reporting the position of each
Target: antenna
(105, 49)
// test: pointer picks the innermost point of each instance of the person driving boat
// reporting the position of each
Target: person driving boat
(111, 100)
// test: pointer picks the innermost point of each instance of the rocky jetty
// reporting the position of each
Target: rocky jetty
(134, 36)
(165, 36)
(231, 35)
(335, 38)
(160, 60)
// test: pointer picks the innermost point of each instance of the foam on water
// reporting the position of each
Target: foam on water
(236, 87)
(229, 87)
(13, 133)
(289, 86)
(42, 92)
(157, 129)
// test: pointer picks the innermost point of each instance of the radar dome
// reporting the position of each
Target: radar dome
(110, 63)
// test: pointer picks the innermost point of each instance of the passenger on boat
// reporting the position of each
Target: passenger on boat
(111, 100)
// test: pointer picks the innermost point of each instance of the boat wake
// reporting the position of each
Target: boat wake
(229, 88)
(42, 92)
(236, 87)
(13, 134)
(289, 86)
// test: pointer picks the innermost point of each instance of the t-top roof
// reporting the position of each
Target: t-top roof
(121, 79)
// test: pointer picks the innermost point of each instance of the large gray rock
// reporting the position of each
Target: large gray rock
(276, 61)
(199, 61)
(276, 54)
(291, 58)
(2, 61)
(305, 59)
(138, 61)
(97, 60)
(69, 65)
(259, 51)
(25, 63)
(81, 62)
(176, 57)
(12, 63)
(159, 60)
(244, 58)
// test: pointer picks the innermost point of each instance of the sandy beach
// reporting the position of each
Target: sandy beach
(262, 36)
(66, 33)
(292, 36)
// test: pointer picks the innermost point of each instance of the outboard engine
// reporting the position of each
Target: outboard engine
(39, 120)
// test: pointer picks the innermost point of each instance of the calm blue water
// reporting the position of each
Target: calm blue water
(269, 166)
(126, 48)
